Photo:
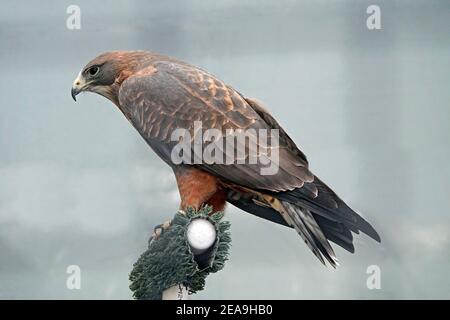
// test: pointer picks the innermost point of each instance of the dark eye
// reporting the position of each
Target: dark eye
(92, 71)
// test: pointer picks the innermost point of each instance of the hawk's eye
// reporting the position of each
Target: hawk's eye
(92, 71)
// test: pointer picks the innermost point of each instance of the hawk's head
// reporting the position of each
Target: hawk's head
(105, 73)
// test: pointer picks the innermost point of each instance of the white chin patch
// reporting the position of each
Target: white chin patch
(102, 90)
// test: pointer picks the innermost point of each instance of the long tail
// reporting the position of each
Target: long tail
(303, 221)
(318, 220)
(306, 226)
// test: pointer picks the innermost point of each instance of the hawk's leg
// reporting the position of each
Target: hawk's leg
(198, 187)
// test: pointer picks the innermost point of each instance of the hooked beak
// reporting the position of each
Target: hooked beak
(78, 85)
(74, 93)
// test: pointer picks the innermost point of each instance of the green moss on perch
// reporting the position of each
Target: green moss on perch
(169, 260)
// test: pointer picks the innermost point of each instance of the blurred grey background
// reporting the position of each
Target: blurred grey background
(369, 108)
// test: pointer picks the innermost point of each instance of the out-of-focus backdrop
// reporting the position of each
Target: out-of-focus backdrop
(370, 108)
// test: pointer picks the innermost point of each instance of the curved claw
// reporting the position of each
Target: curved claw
(158, 230)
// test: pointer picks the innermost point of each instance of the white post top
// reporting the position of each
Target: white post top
(177, 292)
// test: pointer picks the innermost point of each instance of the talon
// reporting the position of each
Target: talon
(166, 225)
(159, 229)
(157, 233)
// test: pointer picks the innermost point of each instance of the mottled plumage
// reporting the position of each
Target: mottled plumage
(158, 95)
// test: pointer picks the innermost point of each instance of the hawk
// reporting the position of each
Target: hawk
(160, 94)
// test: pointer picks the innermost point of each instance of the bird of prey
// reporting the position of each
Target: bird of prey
(159, 94)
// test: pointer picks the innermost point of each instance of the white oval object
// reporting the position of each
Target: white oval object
(201, 235)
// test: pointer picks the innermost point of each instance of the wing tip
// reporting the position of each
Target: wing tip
(367, 229)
